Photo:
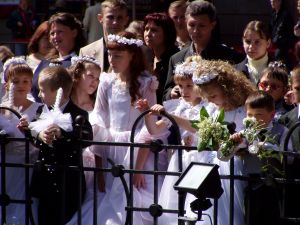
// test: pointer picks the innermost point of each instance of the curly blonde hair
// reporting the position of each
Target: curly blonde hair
(235, 86)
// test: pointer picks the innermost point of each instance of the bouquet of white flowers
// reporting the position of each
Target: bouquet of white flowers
(212, 132)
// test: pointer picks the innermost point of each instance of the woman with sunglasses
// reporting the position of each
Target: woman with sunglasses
(274, 81)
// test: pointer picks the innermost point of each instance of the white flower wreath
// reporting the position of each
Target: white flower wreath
(124, 40)
(185, 69)
(204, 78)
(85, 58)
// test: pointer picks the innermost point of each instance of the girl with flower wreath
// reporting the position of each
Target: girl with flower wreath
(220, 83)
(85, 72)
(18, 77)
(112, 120)
(186, 107)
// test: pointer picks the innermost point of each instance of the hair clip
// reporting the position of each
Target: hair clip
(124, 40)
(204, 78)
(85, 58)
(8, 63)
(277, 64)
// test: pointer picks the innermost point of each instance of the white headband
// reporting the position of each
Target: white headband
(124, 40)
(185, 69)
(205, 78)
(11, 61)
(86, 58)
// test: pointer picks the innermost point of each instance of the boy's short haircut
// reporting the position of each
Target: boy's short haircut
(56, 77)
(201, 7)
(114, 4)
(261, 100)
(295, 73)
(277, 73)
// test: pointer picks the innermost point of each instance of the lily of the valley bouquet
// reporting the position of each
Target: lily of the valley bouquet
(259, 141)
(53, 116)
(212, 132)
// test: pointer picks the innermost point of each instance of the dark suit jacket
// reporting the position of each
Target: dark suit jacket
(48, 184)
(213, 51)
(244, 69)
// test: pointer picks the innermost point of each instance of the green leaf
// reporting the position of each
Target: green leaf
(221, 116)
(195, 124)
(203, 113)
(201, 146)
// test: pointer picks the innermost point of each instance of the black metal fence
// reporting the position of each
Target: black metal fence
(119, 171)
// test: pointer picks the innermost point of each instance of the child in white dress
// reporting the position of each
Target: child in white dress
(114, 115)
(187, 107)
(18, 76)
(228, 89)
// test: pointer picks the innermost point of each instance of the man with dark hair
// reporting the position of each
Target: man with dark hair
(200, 20)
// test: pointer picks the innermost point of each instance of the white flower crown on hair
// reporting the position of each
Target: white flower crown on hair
(85, 58)
(124, 40)
(11, 61)
(185, 69)
(205, 78)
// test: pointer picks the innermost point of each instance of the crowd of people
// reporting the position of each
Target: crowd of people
(172, 62)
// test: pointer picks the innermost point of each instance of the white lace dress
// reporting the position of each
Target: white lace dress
(168, 198)
(237, 117)
(112, 120)
(15, 177)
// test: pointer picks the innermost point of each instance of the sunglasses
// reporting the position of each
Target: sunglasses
(264, 85)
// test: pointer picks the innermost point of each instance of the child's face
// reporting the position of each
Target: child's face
(187, 90)
(255, 46)
(262, 115)
(200, 28)
(273, 87)
(90, 79)
(46, 94)
(296, 88)
(113, 20)
(22, 84)
(213, 93)
(154, 35)
(119, 60)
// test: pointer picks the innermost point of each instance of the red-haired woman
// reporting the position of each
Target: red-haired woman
(160, 36)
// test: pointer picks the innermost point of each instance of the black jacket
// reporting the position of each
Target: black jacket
(213, 51)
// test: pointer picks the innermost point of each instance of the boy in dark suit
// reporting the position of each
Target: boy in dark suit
(56, 187)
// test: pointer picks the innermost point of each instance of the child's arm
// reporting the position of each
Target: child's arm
(182, 122)
(138, 178)
(154, 127)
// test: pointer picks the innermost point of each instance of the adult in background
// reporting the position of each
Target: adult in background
(22, 23)
(201, 19)
(256, 41)
(281, 26)
(91, 24)
(66, 36)
(160, 36)
(114, 18)
(39, 46)
(176, 12)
